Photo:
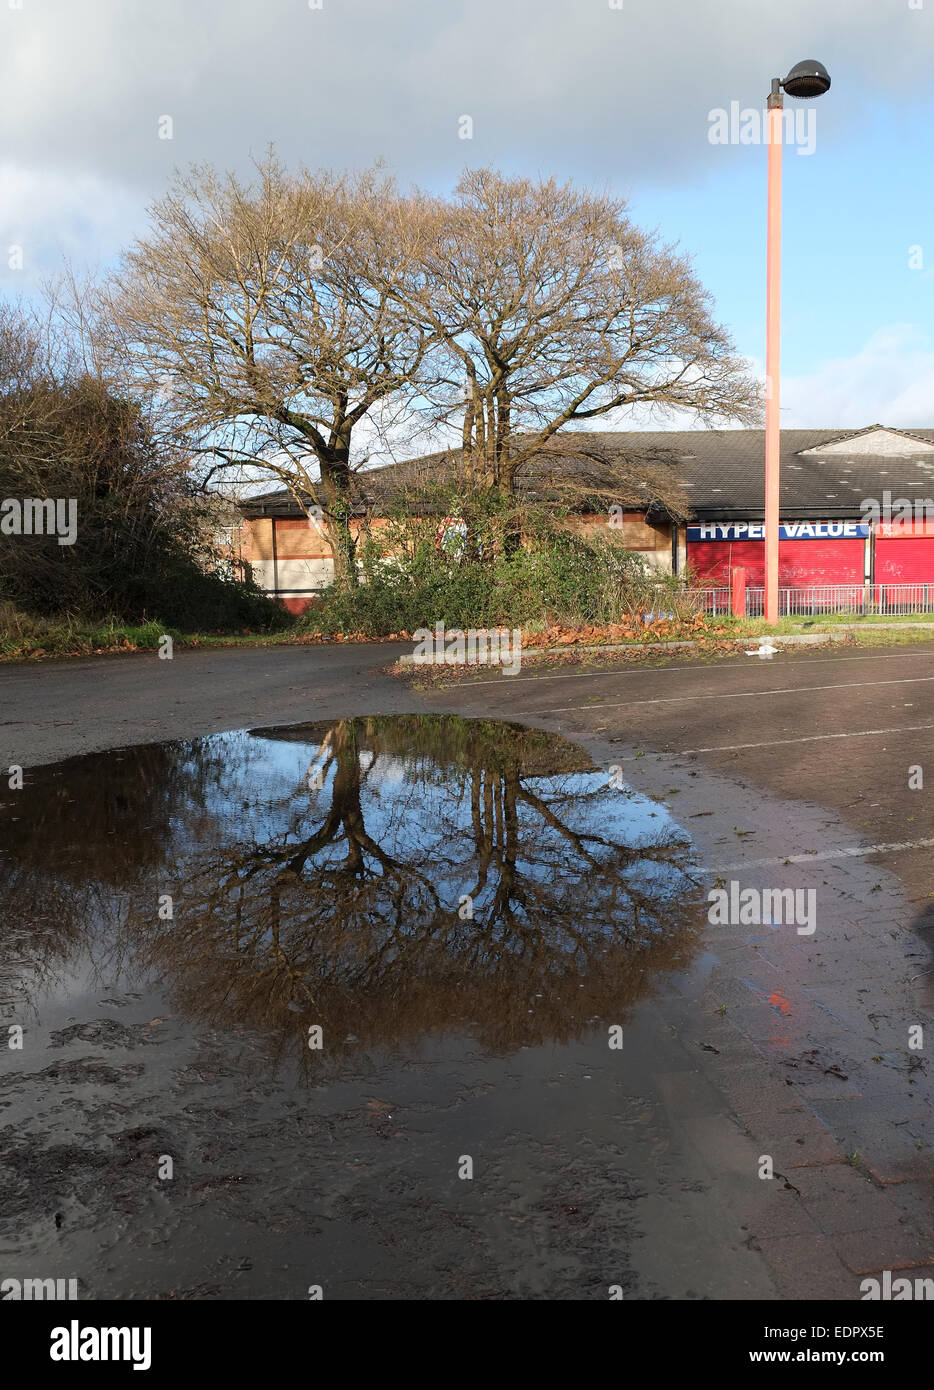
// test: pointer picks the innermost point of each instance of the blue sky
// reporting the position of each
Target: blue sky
(851, 212)
(612, 97)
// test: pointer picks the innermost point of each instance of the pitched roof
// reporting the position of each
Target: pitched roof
(722, 471)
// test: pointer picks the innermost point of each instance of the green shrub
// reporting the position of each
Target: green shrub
(557, 575)
(143, 548)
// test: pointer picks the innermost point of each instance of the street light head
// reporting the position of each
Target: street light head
(807, 79)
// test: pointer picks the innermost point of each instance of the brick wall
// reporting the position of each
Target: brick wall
(295, 558)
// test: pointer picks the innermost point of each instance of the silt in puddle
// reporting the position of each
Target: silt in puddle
(367, 902)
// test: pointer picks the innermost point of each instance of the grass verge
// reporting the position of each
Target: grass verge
(27, 638)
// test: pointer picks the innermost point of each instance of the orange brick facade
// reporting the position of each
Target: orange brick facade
(290, 557)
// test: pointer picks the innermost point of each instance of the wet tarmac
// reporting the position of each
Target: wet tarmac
(637, 1170)
(339, 1005)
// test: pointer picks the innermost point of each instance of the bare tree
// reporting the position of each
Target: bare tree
(341, 903)
(270, 342)
(555, 310)
(277, 317)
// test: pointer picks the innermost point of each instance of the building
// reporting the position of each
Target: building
(288, 554)
(857, 507)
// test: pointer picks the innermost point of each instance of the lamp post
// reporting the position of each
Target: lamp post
(806, 79)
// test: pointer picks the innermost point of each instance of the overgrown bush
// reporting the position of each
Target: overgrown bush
(414, 577)
(143, 547)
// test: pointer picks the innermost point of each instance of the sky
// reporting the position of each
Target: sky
(619, 95)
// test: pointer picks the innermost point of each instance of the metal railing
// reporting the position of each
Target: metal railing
(860, 600)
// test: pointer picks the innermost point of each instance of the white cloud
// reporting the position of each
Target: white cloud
(550, 83)
(59, 216)
(569, 86)
(889, 380)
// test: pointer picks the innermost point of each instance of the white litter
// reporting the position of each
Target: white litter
(765, 649)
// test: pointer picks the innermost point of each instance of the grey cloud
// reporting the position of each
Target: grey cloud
(572, 87)
(566, 84)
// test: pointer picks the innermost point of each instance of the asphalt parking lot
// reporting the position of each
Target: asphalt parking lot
(776, 1045)
(841, 731)
(791, 772)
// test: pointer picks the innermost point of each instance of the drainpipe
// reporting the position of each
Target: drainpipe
(275, 559)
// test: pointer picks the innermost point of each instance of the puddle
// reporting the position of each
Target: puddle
(273, 956)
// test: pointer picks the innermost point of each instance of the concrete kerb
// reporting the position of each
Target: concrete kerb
(836, 634)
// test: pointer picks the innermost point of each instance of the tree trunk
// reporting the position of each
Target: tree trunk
(335, 482)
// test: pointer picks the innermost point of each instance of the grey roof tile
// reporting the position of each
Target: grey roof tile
(723, 470)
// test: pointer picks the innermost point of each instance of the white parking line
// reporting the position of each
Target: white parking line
(726, 695)
(806, 738)
(852, 853)
(654, 670)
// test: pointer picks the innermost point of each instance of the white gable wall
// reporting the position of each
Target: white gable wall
(882, 441)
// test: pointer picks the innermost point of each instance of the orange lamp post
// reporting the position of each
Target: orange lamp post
(807, 79)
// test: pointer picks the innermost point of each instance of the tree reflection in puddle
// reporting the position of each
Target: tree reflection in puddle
(380, 878)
